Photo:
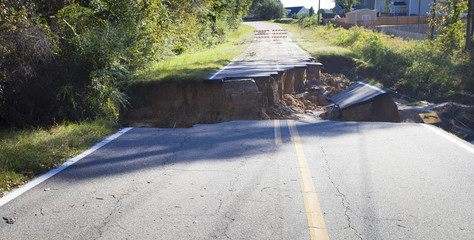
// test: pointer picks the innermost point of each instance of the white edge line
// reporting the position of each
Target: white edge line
(449, 137)
(233, 60)
(373, 87)
(31, 184)
(220, 70)
(230, 63)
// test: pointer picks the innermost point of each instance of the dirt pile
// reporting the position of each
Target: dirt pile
(335, 82)
(303, 101)
(313, 97)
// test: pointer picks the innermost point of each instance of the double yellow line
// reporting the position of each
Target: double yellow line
(316, 224)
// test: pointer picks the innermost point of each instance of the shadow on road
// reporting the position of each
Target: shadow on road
(146, 148)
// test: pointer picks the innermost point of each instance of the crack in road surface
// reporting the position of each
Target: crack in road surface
(344, 202)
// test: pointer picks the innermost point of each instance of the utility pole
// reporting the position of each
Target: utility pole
(319, 9)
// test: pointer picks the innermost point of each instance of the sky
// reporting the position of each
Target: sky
(326, 4)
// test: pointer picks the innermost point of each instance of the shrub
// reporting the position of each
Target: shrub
(72, 59)
(348, 38)
(414, 67)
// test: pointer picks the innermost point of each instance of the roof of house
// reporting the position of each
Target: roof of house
(361, 10)
(326, 11)
(293, 10)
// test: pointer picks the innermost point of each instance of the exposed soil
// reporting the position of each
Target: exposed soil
(183, 104)
(336, 64)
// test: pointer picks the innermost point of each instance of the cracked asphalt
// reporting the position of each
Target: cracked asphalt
(231, 181)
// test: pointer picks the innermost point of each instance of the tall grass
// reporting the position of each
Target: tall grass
(200, 64)
(413, 67)
(316, 44)
(27, 153)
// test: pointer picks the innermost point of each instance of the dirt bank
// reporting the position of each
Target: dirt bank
(183, 104)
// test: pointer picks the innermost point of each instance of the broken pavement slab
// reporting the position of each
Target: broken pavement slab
(364, 102)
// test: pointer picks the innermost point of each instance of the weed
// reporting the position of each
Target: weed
(197, 65)
(413, 67)
(27, 153)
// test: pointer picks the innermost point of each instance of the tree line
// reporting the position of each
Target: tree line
(267, 9)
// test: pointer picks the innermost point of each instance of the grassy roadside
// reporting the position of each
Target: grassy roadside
(415, 68)
(27, 153)
(315, 44)
(198, 65)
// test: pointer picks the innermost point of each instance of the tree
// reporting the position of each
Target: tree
(72, 59)
(267, 9)
(446, 16)
(347, 4)
(311, 11)
(387, 5)
(469, 25)
(452, 33)
(433, 21)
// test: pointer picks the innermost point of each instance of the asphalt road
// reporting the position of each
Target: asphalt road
(255, 180)
(265, 56)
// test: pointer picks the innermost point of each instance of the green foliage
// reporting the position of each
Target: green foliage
(329, 26)
(267, 9)
(387, 5)
(199, 64)
(347, 4)
(81, 53)
(413, 67)
(25, 58)
(26, 153)
(307, 22)
(452, 29)
(351, 36)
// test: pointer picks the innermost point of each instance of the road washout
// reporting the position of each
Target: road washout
(298, 93)
(274, 79)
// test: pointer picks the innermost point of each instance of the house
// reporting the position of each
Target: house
(296, 10)
(338, 9)
(397, 7)
(327, 13)
(363, 16)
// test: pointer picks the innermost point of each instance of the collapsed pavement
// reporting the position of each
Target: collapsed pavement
(297, 90)
(301, 92)
(183, 104)
(364, 102)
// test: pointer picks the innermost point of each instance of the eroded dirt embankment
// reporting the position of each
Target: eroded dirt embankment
(183, 104)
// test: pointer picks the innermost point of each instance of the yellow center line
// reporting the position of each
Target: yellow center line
(316, 224)
(278, 140)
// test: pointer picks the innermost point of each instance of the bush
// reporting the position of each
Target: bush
(308, 22)
(72, 59)
(27, 80)
(416, 68)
